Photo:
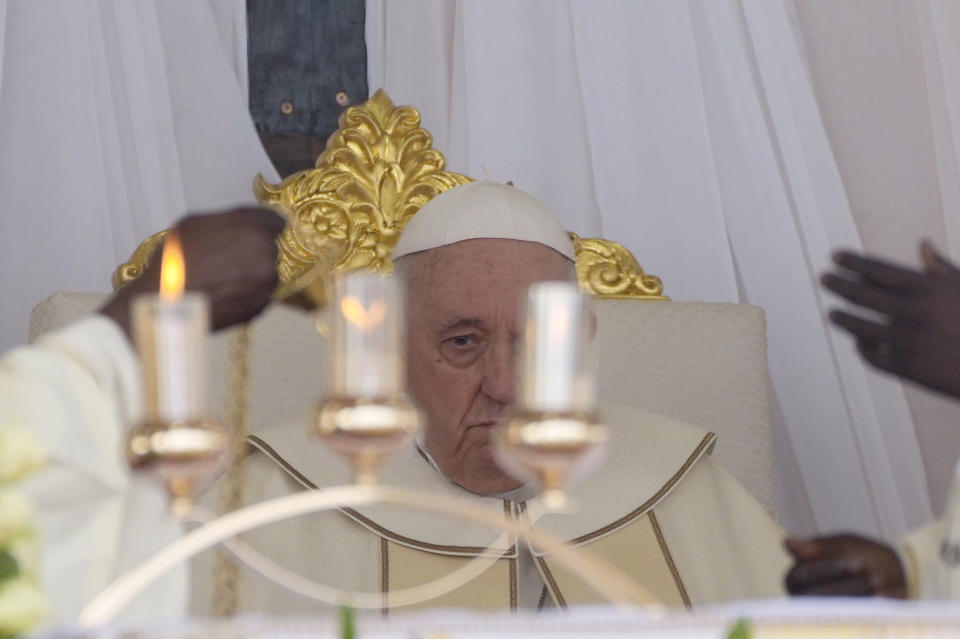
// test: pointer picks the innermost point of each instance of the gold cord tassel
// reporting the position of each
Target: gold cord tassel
(226, 570)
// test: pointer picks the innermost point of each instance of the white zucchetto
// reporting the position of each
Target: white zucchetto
(482, 210)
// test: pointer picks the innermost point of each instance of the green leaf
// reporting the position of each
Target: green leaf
(8, 566)
(348, 628)
(740, 630)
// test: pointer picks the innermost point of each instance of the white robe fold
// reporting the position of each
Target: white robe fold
(701, 537)
(660, 509)
(76, 390)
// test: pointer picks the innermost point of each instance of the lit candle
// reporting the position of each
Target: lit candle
(365, 416)
(557, 371)
(553, 435)
(170, 331)
(365, 338)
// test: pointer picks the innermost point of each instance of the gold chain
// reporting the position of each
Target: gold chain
(225, 570)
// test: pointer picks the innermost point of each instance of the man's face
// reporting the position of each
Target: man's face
(464, 302)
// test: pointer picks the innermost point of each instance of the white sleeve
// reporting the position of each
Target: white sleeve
(918, 551)
(77, 390)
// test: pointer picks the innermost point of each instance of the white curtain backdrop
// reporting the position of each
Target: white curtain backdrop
(887, 76)
(730, 144)
(116, 117)
(689, 131)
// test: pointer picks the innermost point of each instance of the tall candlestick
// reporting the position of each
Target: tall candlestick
(553, 436)
(365, 337)
(365, 417)
(175, 442)
(558, 356)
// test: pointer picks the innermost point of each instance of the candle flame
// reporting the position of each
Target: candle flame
(173, 272)
(361, 317)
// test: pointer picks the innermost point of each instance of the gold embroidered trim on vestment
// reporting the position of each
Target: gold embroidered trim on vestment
(384, 575)
(543, 598)
(544, 569)
(708, 440)
(550, 582)
(365, 521)
(669, 557)
(512, 562)
(704, 446)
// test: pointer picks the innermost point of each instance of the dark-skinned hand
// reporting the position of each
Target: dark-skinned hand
(845, 566)
(917, 335)
(229, 256)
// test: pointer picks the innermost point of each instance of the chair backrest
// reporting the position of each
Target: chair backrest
(701, 363)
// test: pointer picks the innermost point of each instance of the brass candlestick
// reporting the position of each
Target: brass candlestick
(554, 434)
(175, 443)
(365, 416)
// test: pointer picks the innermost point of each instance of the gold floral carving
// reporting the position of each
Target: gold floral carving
(377, 170)
(347, 212)
(607, 269)
(132, 268)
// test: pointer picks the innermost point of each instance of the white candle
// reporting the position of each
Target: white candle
(557, 369)
(170, 331)
(365, 338)
(171, 339)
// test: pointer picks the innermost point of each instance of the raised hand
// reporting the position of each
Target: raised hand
(230, 256)
(845, 566)
(917, 332)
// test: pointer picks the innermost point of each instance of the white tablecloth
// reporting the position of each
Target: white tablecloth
(847, 618)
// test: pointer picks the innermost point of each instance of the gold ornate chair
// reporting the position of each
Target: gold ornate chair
(703, 363)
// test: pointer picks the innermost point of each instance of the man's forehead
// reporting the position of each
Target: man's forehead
(462, 309)
(488, 260)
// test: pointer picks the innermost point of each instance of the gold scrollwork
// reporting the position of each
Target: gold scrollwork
(607, 269)
(377, 170)
(132, 268)
(347, 212)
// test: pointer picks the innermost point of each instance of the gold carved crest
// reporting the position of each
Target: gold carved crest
(607, 269)
(347, 212)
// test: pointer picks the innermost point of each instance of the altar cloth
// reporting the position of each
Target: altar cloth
(808, 617)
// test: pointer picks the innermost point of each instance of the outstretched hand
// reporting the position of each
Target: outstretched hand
(229, 256)
(917, 333)
(845, 566)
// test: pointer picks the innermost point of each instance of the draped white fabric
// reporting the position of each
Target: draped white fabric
(690, 132)
(116, 117)
(888, 85)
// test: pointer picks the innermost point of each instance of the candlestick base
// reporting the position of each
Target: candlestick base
(366, 431)
(550, 448)
(185, 456)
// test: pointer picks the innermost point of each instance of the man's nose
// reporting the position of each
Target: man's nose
(499, 374)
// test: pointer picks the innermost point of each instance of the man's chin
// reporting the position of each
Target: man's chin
(479, 473)
(494, 486)
(485, 477)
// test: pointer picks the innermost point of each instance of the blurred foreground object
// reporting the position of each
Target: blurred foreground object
(176, 442)
(22, 604)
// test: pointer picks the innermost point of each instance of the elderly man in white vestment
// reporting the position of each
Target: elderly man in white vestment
(660, 508)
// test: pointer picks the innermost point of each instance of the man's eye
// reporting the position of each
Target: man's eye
(462, 341)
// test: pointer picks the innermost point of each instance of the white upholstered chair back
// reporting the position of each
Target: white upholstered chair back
(700, 363)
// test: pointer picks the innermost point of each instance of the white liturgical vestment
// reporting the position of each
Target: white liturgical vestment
(660, 508)
(77, 390)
